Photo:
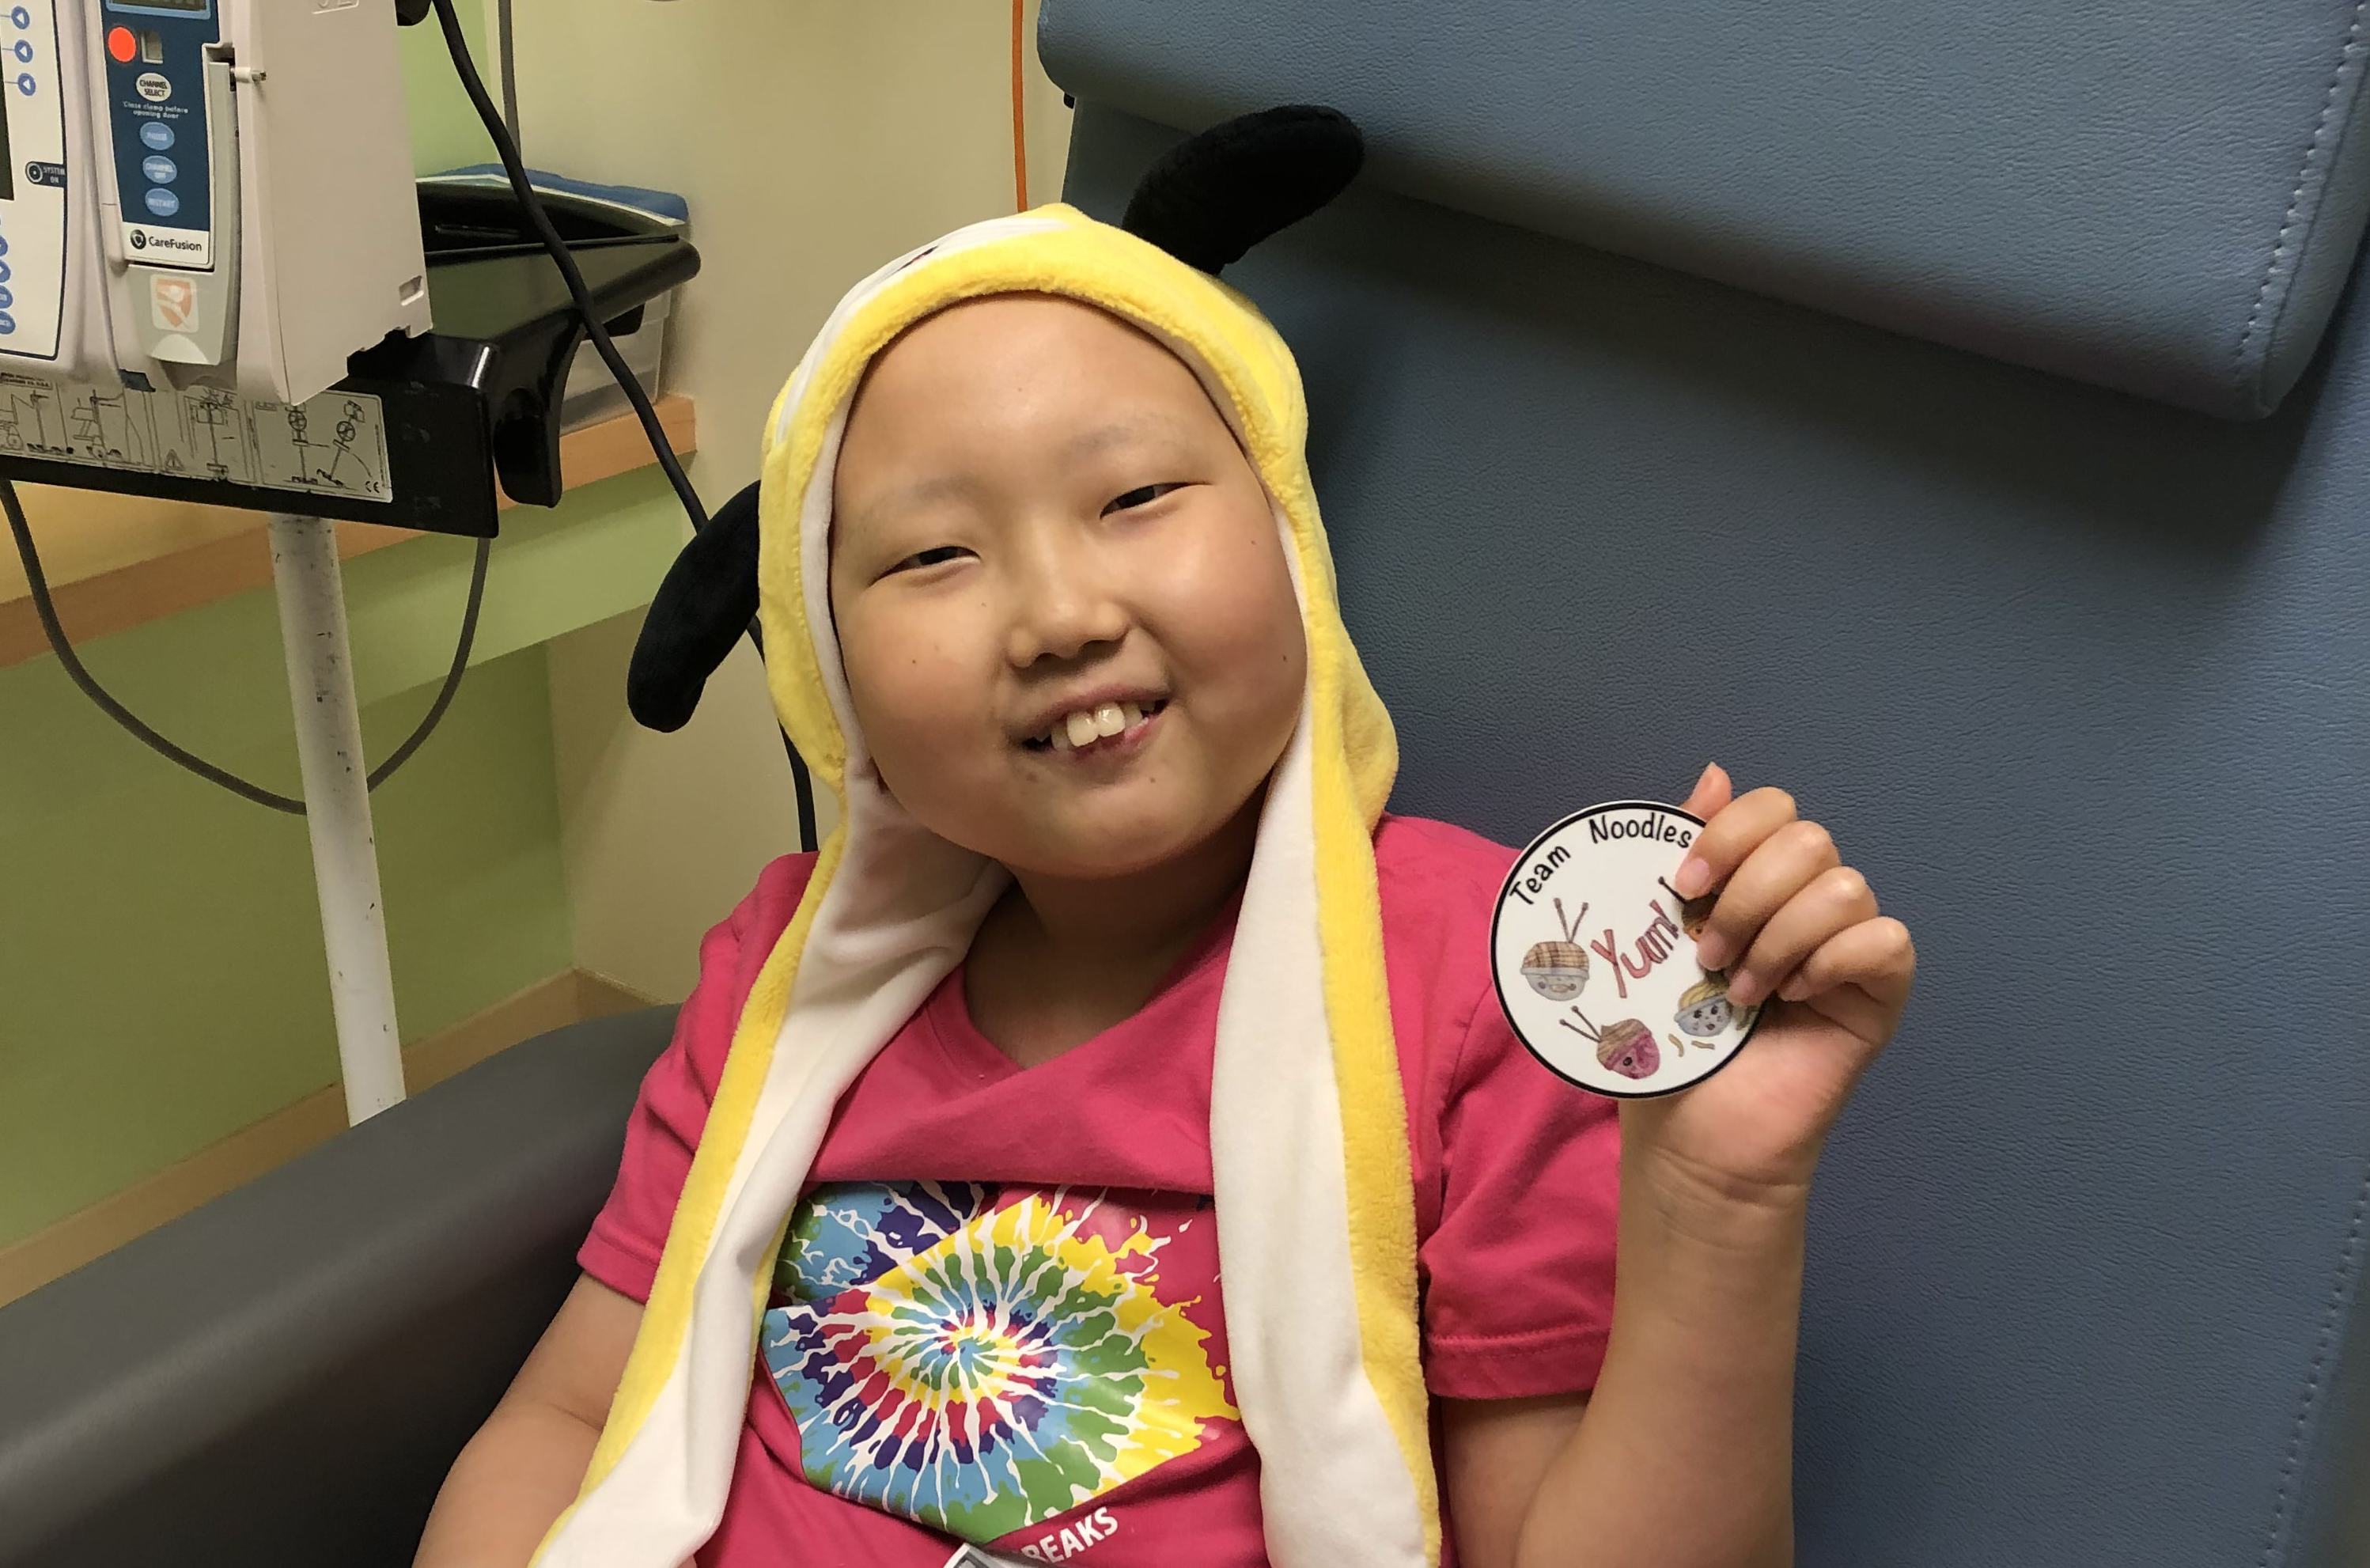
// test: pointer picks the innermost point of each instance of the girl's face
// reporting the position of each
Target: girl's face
(1037, 515)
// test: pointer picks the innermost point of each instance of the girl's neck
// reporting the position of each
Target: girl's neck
(1057, 961)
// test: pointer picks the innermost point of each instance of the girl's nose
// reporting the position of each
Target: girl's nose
(1062, 605)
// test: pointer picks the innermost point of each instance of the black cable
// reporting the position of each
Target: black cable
(491, 116)
(802, 783)
(39, 582)
(46, 609)
(506, 146)
(460, 666)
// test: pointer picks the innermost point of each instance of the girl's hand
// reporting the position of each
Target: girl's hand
(1796, 931)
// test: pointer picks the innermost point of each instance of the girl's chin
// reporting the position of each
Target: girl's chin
(1082, 864)
(1103, 851)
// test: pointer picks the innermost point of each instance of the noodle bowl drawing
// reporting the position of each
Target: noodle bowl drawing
(1625, 1046)
(1705, 1008)
(1558, 970)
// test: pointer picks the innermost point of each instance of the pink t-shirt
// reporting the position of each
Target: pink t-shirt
(997, 1316)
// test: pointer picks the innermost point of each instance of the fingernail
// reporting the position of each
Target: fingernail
(1743, 989)
(1704, 777)
(1711, 951)
(1692, 877)
(1792, 990)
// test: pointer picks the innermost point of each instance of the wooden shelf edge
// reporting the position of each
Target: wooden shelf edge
(187, 575)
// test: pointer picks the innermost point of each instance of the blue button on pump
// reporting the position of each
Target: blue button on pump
(21, 17)
(4, 250)
(158, 169)
(25, 84)
(24, 50)
(8, 324)
(7, 298)
(156, 135)
(163, 203)
(6, 271)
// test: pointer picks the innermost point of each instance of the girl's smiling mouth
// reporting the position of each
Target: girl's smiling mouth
(1103, 729)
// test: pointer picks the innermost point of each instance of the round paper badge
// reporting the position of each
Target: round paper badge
(1595, 954)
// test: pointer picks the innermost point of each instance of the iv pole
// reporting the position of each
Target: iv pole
(305, 573)
(306, 577)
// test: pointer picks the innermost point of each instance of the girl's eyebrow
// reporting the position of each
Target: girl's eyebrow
(920, 493)
(1118, 432)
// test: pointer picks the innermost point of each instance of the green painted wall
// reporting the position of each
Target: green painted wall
(160, 947)
(161, 975)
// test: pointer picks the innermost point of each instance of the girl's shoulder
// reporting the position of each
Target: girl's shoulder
(735, 950)
(1434, 873)
(1439, 887)
(1515, 1193)
(761, 917)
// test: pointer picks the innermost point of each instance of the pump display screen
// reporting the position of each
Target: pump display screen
(166, 6)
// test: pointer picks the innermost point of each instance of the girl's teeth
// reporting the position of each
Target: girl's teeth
(1085, 728)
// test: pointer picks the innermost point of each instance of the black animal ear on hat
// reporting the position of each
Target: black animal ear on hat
(704, 605)
(1205, 201)
(1212, 196)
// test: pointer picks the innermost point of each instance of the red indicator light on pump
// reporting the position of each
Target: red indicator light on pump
(122, 45)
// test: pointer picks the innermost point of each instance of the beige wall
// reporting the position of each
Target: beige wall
(814, 139)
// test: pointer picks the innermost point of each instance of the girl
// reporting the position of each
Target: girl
(1110, 1148)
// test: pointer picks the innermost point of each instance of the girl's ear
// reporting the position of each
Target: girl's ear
(707, 602)
(1212, 196)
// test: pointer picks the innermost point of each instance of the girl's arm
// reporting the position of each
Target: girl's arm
(1683, 1456)
(522, 1469)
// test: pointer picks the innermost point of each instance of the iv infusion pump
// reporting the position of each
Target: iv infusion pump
(203, 193)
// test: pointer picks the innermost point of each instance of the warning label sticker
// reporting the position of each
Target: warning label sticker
(332, 445)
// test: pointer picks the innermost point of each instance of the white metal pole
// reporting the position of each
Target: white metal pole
(337, 808)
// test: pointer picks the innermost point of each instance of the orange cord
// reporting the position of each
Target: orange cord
(1019, 120)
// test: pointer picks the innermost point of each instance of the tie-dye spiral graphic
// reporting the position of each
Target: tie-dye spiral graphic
(977, 1361)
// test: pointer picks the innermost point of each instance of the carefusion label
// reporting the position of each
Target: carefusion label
(173, 247)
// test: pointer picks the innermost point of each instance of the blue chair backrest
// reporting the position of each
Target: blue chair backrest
(1953, 413)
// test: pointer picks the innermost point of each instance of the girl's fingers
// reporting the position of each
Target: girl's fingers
(1711, 794)
(1780, 863)
(1832, 901)
(1877, 956)
(1729, 837)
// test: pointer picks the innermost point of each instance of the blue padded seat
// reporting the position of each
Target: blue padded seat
(2078, 678)
(2160, 195)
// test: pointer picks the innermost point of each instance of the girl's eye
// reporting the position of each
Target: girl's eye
(1139, 496)
(933, 557)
